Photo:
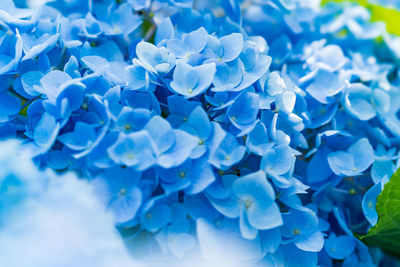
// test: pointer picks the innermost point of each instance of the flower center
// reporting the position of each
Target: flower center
(296, 231)
(127, 127)
(247, 204)
(85, 106)
(122, 191)
(182, 174)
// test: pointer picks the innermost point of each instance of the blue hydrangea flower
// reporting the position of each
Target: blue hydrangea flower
(370, 199)
(226, 152)
(133, 150)
(189, 46)
(252, 199)
(191, 81)
(155, 59)
(352, 162)
(192, 176)
(120, 194)
(339, 247)
(301, 228)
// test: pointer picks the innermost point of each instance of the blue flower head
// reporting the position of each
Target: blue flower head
(199, 125)
(258, 209)
(133, 150)
(189, 46)
(117, 188)
(192, 176)
(354, 161)
(339, 247)
(226, 152)
(157, 60)
(244, 111)
(301, 227)
(191, 81)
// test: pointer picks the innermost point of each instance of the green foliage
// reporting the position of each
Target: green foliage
(386, 233)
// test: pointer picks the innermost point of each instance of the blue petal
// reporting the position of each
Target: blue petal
(278, 161)
(165, 29)
(161, 133)
(30, 80)
(196, 40)
(362, 153)
(294, 257)
(357, 159)
(126, 206)
(357, 102)
(339, 247)
(244, 110)
(205, 176)
(192, 81)
(325, 87)
(46, 131)
(155, 218)
(232, 45)
(318, 168)
(258, 141)
(246, 229)
(180, 243)
(180, 151)
(313, 242)
(369, 202)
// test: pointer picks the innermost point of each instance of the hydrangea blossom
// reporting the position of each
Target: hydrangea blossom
(260, 130)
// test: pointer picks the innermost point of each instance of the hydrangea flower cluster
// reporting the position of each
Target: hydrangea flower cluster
(271, 125)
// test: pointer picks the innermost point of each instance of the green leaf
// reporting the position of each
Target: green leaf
(378, 13)
(386, 233)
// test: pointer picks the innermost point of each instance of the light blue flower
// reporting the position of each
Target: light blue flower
(117, 188)
(363, 103)
(278, 161)
(301, 228)
(199, 125)
(252, 199)
(122, 21)
(133, 150)
(191, 81)
(243, 112)
(354, 161)
(325, 87)
(339, 247)
(155, 215)
(192, 176)
(189, 46)
(155, 59)
(370, 199)
(226, 151)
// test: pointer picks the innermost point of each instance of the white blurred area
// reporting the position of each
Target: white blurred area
(36, 3)
(55, 223)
